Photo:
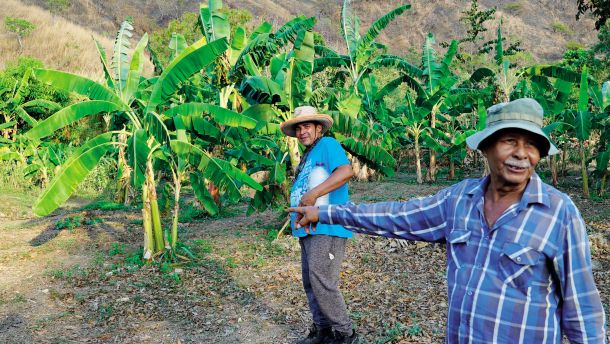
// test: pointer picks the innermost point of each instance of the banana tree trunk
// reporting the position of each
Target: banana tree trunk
(553, 168)
(583, 171)
(123, 184)
(451, 174)
(154, 208)
(418, 162)
(149, 244)
(432, 170)
(564, 159)
(174, 233)
(602, 184)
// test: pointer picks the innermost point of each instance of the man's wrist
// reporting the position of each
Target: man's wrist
(324, 214)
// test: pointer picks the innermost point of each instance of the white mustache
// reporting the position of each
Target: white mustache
(518, 163)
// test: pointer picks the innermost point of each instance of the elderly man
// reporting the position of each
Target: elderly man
(321, 178)
(518, 260)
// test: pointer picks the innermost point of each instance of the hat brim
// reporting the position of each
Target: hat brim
(475, 139)
(289, 127)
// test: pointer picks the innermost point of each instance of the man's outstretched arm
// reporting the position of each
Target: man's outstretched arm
(420, 219)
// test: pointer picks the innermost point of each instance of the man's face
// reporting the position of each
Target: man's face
(513, 157)
(308, 132)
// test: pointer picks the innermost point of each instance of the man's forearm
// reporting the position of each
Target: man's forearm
(400, 220)
(340, 176)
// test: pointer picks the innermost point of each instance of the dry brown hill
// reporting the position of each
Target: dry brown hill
(59, 43)
(545, 27)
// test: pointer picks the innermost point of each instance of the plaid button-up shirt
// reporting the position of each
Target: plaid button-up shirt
(527, 279)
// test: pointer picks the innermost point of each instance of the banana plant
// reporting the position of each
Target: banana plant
(126, 97)
(581, 122)
(601, 122)
(363, 52)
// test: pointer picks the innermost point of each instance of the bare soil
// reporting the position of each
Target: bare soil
(84, 284)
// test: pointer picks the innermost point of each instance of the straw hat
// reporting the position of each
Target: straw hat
(306, 114)
(524, 113)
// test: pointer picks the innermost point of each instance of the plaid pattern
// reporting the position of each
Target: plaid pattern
(528, 279)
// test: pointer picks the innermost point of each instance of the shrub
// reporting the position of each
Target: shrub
(513, 7)
(558, 26)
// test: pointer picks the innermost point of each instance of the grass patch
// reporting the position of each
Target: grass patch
(514, 7)
(68, 274)
(105, 205)
(562, 28)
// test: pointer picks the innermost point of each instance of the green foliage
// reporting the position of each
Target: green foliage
(58, 6)
(574, 45)
(116, 249)
(475, 20)
(69, 223)
(515, 7)
(186, 26)
(19, 26)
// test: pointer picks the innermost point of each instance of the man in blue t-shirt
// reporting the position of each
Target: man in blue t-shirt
(321, 178)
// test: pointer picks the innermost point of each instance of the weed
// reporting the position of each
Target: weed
(136, 222)
(69, 223)
(202, 246)
(191, 212)
(116, 248)
(230, 261)
(19, 298)
(68, 274)
(93, 221)
(391, 333)
(104, 312)
(365, 258)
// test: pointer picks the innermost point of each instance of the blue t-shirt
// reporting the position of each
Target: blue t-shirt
(329, 154)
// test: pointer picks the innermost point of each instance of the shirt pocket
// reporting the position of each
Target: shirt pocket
(457, 242)
(518, 264)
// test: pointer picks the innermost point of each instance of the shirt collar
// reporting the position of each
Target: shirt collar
(533, 193)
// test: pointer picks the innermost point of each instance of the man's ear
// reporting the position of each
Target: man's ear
(319, 128)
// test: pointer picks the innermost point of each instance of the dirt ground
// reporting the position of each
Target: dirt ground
(75, 277)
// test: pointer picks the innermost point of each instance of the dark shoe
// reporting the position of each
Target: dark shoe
(317, 335)
(344, 338)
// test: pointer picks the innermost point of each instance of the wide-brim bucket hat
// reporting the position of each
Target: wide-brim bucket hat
(304, 114)
(524, 113)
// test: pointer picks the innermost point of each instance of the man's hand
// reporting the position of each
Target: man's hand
(305, 216)
(308, 199)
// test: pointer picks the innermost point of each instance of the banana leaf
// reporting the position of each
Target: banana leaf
(375, 156)
(220, 115)
(193, 59)
(120, 57)
(69, 115)
(203, 194)
(76, 83)
(72, 173)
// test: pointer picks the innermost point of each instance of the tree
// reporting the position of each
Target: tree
(600, 9)
(21, 27)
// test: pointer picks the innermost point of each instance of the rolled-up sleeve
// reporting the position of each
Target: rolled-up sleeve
(583, 319)
(422, 219)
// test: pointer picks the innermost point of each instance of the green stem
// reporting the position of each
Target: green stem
(147, 223)
(174, 238)
(583, 170)
(154, 208)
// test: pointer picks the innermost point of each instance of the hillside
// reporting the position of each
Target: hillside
(543, 26)
(57, 42)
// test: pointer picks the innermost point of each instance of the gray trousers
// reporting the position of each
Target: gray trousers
(321, 258)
